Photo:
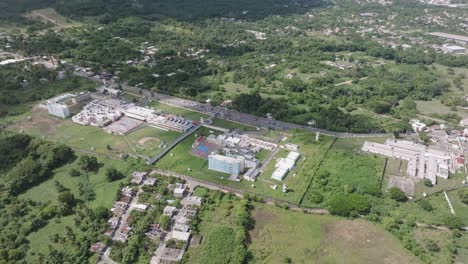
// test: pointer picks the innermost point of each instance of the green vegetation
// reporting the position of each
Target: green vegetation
(344, 171)
(279, 234)
(222, 222)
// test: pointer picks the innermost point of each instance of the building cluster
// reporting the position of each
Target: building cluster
(258, 35)
(423, 162)
(117, 116)
(235, 154)
(284, 165)
(64, 105)
(100, 113)
(174, 243)
(457, 43)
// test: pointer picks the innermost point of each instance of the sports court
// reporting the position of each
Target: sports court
(204, 148)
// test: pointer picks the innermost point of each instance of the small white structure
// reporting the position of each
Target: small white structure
(138, 177)
(417, 125)
(284, 165)
(140, 207)
(191, 201)
(169, 210)
(178, 235)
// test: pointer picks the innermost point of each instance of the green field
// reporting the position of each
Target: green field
(192, 115)
(147, 140)
(96, 182)
(348, 168)
(320, 239)
(181, 160)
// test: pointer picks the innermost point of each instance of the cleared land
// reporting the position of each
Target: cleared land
(49, 15)
(188, 114)
(320, 239)
(350, 168)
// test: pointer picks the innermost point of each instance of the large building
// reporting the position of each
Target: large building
(63, 105)
(423, 162)
(463, 40)
(229, 165)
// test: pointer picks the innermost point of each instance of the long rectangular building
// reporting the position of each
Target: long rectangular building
(457, 38)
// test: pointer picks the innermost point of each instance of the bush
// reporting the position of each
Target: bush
(397, 194)
(463, 195)
(347, 205)
(75, 173)
(452, 222)
(113, 174)
(426, 205)
(428, 183)
(431, 245)
(316, 197)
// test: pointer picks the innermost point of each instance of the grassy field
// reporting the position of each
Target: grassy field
(40, 240)
(461, 209)
(104, 192)
(145, 141)
(180, 160)
(49, 15)
(320, 239)
(101, 193)
(192, 115)
(436, 107)
(350, 168)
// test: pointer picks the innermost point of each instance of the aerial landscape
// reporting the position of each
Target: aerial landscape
(233, 131)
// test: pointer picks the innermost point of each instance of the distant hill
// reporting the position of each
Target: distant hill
(185, 9)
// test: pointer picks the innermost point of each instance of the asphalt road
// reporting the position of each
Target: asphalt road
(233, 115)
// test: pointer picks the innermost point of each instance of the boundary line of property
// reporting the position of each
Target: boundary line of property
(313, 174)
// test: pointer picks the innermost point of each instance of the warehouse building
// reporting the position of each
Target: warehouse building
(63, 105)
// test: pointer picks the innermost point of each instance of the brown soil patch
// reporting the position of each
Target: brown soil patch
(39, 120)
(143, 141)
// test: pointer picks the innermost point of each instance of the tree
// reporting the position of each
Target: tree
(164, 221)
(113, 174)
(66, 202)
(397, 194)
(426, 205)
(463, 195)
(424, 137)
(88, 163)
(74, 172)
(340, 205)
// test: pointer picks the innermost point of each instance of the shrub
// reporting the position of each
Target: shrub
(426, 205)
(397, 194)
(463, 195)
(113, 174)
(428, 183)
(431, 245)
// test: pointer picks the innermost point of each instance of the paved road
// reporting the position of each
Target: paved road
(232, 115)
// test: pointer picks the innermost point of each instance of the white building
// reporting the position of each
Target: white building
(423, 162)
(417, 125)
(57, 106)
(284, 165)
(229, 165)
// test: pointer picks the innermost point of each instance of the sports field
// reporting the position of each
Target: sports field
(147, 141)
(304, 238)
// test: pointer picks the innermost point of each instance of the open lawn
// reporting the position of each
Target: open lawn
(436, 107)
(348, 168)
(461, 209)
(40, 240)
(100, 191)
(192, 115)
(49, 15)
(180, 160)
(304, 238)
